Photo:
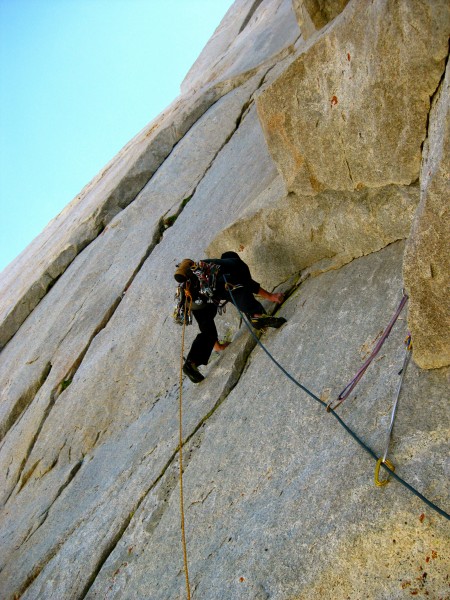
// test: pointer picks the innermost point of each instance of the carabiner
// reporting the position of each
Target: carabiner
(387, 462)
(338, 401)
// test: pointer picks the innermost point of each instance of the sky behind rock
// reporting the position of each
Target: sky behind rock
(78, 79)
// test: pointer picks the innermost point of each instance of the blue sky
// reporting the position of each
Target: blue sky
(78, 79)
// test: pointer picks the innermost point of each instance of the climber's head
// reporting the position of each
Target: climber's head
(183, 272)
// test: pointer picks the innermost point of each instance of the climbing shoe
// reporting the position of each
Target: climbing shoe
(192, 372)
(267, 321)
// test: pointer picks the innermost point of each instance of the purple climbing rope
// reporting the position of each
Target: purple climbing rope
(348, 388)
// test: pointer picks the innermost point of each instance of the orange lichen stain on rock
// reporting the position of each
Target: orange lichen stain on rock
(276, 127)
(348, 56)
(242, 579)
(152, 129)
(334, 101)
(422, 518)
(275, 122)
(405, 584)
(325, 395)
(434, 554)
(316, 185)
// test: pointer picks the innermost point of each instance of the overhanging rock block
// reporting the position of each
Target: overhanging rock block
(351, 111)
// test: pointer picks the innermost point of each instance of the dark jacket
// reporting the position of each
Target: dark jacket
(235, 271)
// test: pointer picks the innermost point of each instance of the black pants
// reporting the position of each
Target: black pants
(203, 344)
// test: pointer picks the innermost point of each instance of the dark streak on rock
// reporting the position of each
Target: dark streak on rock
(256, 4)
(432, 98)
(24, 401)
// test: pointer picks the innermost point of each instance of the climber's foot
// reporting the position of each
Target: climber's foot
(192, 372)
(267, 321)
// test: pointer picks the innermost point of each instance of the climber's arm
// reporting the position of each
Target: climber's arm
(277, 297)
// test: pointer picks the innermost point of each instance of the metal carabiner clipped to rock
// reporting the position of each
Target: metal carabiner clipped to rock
(383, 459)
(381, 482)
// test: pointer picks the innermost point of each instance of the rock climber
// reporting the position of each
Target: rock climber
(209, 282)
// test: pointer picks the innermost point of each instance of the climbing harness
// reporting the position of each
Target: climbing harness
(341, 421)
(183, 529)
(384, 459)
(333, 404)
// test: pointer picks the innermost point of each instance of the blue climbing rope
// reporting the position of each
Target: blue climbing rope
(339, 419)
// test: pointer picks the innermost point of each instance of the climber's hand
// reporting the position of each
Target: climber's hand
(220, 347)
(277, 297)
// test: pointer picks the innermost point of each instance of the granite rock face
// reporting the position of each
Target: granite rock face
(267, 27)
(28, 279)
(319, 233)
(335, 128)
(427, 257)
(279, 499)
(331, 120)
(313, 15)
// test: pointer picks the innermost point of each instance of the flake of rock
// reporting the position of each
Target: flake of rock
(427, 260)
(344, 114)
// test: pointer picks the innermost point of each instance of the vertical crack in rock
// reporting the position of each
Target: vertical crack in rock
(24, 401)
(169, 221)
(44, 515)
(22, 477)
(243, 113)
(42, 518)
(256, 4)
(345, 157)
(119, 199)
(432, 97)
(109, 549)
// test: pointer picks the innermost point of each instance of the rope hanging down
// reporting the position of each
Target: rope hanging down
(340, 420)
(187, 311)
